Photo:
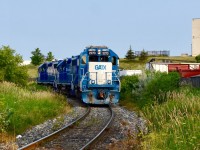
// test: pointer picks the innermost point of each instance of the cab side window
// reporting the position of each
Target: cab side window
(83, 60)
(114, 60)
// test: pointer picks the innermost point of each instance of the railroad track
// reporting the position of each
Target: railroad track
(79, 134)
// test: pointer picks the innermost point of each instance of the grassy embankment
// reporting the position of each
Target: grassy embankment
(175, 124)
(32, 71)
(173, 112)
(24, 107)
(136, 64)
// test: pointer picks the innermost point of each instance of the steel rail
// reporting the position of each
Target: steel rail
(100, 133)
(34, 144)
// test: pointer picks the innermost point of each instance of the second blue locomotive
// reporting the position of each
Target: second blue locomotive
(93, 76)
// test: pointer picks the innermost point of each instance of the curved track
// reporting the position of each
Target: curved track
(100, 133)
(79, 136)
(35, 144)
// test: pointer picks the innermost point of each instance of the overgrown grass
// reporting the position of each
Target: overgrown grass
(32, 71)
(177, 59)
(131, 64)
(21, 108)
(176, 123)
(173, 112)
(136, 64)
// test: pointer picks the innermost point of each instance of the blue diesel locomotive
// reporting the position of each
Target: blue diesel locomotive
(47, 72)
(93, 76)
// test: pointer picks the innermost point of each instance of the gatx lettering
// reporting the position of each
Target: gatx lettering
(100, 67)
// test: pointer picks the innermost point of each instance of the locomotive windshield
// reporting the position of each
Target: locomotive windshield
(104, 58)
(98, 58)
(93, 58)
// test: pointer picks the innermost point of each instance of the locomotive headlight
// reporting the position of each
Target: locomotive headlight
(99, 51)
(93, 82)
(109, 81)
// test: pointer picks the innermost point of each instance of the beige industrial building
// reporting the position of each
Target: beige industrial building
(195, 36)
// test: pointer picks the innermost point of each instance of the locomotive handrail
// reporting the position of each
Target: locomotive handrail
(118, 81)
(83, 78)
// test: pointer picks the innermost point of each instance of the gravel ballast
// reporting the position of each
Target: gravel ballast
(125, 123)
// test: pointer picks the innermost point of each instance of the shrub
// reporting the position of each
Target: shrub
(5, 115)
(197, 58)
(10, 67)
(128, 85)
(159, 85)
(143, 56)
(150, 90)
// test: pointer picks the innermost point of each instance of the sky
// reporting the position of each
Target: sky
(66, 27)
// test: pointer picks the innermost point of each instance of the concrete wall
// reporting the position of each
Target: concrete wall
(195, 37)
(130, 72)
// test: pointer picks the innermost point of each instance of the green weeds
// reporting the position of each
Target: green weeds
(22, 108)
(173, 112)
(174, 124)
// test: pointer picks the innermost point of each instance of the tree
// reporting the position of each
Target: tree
(197, 58)
(50, 56)
(130, 54)
(10, 66)
(143, 55)
(37, 57)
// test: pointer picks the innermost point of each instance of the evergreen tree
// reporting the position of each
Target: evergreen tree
(143, 55)
(50, 56)
(130, 54)
(37, 57)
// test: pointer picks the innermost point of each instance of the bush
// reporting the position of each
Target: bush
(197, 58)
(159, 85)
(10, 67)
(150, 90)
(5, 115)
(128, 85)
(173, 113)
(143, 56)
